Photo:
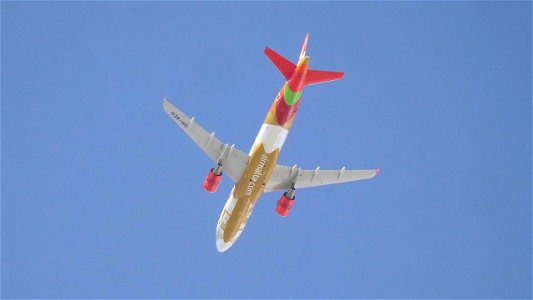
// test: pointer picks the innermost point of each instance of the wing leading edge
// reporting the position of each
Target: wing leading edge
(233, 160)
(284, 177)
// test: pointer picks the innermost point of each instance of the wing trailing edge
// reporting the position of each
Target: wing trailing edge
(283, 177)
(233, 160)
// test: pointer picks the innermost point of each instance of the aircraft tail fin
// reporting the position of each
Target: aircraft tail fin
(314, 76)
(304, 47)
(287, 68)
(284, 65)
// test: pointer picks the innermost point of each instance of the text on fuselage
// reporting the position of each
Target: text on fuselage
(258, 172)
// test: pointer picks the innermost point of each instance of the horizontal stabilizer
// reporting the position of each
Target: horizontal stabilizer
(314, 77)
(284, 65)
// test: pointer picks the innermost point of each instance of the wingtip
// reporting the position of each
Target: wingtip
(164, 98)
(378, 170)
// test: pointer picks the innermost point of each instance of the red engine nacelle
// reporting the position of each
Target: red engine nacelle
(284, 205)
(212, 181)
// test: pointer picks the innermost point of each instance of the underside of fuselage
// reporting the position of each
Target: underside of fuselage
(245, 193)
(263, 157)
(232, 220)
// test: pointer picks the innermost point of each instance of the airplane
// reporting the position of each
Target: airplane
(256, 172)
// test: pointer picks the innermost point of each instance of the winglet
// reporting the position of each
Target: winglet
(165, 99)
(378, 170)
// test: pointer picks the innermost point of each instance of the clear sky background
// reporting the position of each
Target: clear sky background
(101, 191)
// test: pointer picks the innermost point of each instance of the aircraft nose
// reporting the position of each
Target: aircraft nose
(222, 246)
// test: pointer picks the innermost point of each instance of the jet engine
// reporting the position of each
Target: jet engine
(285, 203)
(212, 180)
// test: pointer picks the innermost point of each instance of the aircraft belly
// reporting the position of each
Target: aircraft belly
(272, 137)
(244, 195)
(232, 221)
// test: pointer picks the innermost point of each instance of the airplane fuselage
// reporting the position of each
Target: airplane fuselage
(263, 156)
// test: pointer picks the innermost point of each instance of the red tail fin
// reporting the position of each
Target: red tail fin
(314, 76)
(284, 66)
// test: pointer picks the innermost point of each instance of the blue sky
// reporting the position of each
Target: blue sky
(101, 192)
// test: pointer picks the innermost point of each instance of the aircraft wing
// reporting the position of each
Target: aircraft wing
(283, 177)
(233, 160)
